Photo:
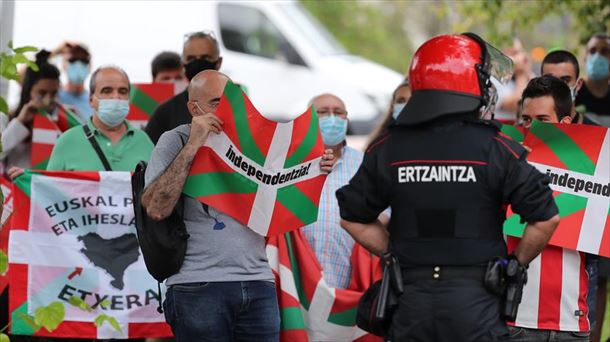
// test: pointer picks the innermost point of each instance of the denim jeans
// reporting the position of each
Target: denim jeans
(223, 311)
(518, 334)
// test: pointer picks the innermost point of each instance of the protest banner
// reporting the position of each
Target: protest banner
(45, 132)
(73, 235)
(310, 309)
(264, 174)
(577, 160)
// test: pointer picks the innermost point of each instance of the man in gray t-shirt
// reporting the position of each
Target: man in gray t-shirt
(225, 289)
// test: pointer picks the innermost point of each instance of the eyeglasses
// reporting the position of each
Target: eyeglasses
(324, 111)
(199, 34)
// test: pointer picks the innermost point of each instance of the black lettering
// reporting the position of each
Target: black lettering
(127, 201)
(62, 208)
(562, 180)
(74, 204)
(281, 180)
(133, 300)
(597, 189)
(66, 293)
(100, 200)
(84, 294)
(571, 182)
(72, 224)
(580, 184)
(237, 161)
(588, 186)
(87, 200)
(111, 203)
(56, 230)
(554, 178)
(266, 178)
(259, 174)
(133, 221)
(229, 151)
(50, 211)
(251, 170)
(244, 166)
(151, 295)
(606, 190)
(98, 301)
(117, 303)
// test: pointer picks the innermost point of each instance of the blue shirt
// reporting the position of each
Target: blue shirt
(80, 103)
(331, 243)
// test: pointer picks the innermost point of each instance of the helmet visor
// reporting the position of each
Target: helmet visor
(500, 66)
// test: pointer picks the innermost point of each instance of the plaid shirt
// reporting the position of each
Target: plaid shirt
(331, 243)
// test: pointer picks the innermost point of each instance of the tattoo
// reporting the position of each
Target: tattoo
(165, 191)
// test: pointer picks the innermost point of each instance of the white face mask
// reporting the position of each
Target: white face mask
(398, 107)
(573, 92)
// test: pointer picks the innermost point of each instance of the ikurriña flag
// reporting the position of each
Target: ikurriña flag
(73, 236)
(45, 133)
(311, 310)
(264, 174)
(144, 98)
(576, 158)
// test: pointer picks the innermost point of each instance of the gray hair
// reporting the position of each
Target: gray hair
(104, 67)
(202, 35)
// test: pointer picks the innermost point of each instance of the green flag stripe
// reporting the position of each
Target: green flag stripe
(24, 182)
(298, 204)
(346, 318)
(513, 132)
(296, 273)
(292, 319)
(564, 148)
(42, 165)
(306, 144)
(72, 118)
(19, 325)
(568, 204)
(218, 183)
(143, 101)
(246, 140)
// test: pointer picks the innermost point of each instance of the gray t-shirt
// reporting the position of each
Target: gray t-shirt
(233, 253)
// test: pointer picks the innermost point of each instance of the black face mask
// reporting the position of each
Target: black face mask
(198, 65)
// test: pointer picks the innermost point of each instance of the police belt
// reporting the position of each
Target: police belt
(439, 272)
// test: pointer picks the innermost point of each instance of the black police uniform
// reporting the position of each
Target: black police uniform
(448, 182)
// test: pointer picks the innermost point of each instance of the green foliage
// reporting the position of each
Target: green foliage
(30, 321)
(50, 316)
(80, 303)
(3, 260)
(370, 29)
(99, 320)
(8, 66)
(4, 338)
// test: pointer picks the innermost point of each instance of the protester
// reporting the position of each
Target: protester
(595, 94)
(39, 93)
(509, 94)
(166, 67)
(332, 245)
(223, 268)
(400, 97)
(200, 52)
(554, 304)
(122, 145)
(445, 228)
(77, 64)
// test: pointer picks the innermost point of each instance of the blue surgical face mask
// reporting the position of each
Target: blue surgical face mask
(333, 129)
(77, 72)
(112, 112)
(598, 67)
(397, 109)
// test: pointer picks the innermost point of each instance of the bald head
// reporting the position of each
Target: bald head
(206, 90)
(326, 103)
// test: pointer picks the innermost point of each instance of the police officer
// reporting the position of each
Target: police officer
(448, 177)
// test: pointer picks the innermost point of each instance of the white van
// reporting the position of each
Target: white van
(275, 48)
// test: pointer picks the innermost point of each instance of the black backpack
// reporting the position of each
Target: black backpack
(163, 243)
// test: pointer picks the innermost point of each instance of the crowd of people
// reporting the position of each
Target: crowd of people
(227, 269)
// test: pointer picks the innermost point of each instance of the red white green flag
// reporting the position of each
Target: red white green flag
(146, 97)
(264, 174)
(311, 310)
(45, 132)
(73, 236)
(516, 133)
(577, 160)
(7, 209)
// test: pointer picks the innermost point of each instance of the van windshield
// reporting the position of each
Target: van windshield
(317, 34)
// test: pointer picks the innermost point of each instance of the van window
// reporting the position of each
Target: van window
(247, 30)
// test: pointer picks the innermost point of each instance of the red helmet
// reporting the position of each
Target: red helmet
(450, 74)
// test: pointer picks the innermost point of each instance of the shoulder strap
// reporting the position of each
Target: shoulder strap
(96, 147)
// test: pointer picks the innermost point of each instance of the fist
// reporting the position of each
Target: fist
(201, 126)
(328, 161)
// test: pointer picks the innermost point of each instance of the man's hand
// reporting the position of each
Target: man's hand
(328, 161)
(201, 126)
(26, 115)
(14, 172)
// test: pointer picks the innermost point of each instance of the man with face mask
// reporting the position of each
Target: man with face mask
(122, 145)
(200, 52)
(595, 94)
(76, 65)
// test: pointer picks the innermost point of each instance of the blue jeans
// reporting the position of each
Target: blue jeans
(518, 334)
(223, 311)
